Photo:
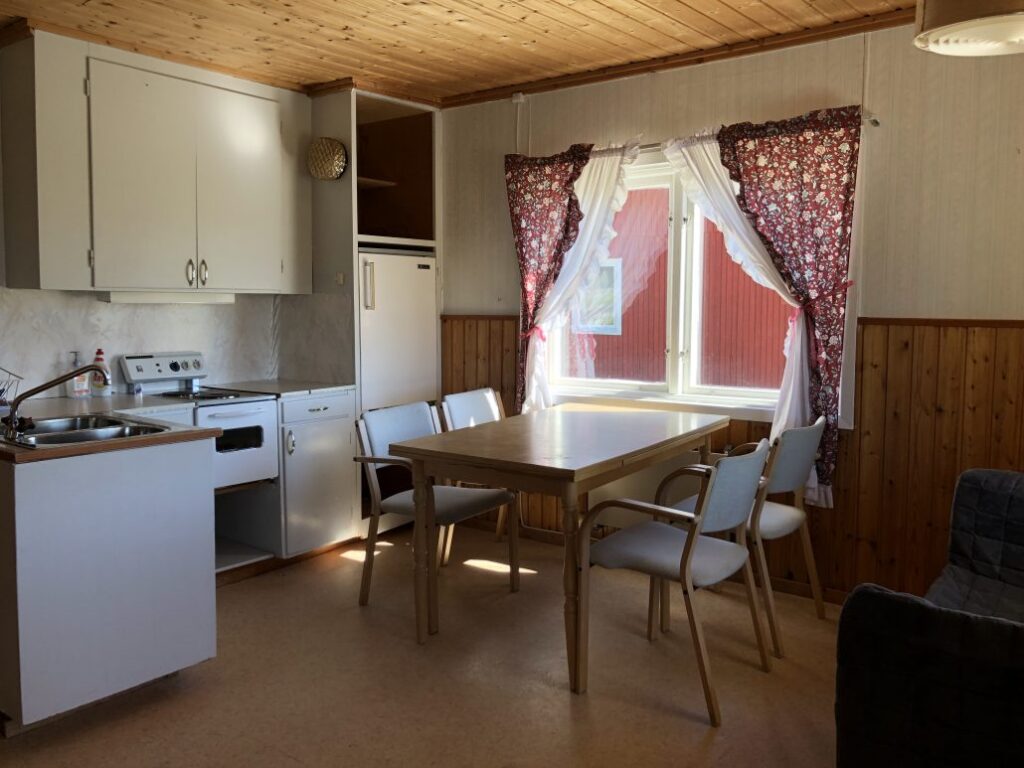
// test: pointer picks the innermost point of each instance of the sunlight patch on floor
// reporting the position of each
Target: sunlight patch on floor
(496, 567)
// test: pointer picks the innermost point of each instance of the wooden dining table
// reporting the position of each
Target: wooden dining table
(565, 451)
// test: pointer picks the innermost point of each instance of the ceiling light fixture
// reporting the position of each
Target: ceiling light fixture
(970, 27)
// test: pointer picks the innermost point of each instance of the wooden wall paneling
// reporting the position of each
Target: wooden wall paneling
(509, 352)
(921, 463)
(977, 427)
(892, 526)
(1006, 398)
(469, 337)
(871, 420)
(948, 426)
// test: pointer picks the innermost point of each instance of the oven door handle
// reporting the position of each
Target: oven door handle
(241, 415)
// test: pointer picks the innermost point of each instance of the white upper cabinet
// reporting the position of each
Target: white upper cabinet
(45, 148)
(239, 187)
(143, 135)
(127, 173)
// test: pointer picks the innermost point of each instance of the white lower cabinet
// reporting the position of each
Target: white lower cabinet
(318, 473)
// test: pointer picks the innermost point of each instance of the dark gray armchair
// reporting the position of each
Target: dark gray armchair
(939, 681)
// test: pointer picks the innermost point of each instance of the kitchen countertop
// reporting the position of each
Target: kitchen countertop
(49, 407)
(283, 387)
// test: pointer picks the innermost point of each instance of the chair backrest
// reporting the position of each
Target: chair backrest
(396, 423)
(467, 409)
(987, 530)
(795, 452)
(733, 488)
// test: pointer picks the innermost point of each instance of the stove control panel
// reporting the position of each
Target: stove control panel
(163, 366)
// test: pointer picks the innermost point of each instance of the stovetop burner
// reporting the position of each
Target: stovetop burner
(203, 394)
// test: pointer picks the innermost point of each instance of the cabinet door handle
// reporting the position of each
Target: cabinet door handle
(369, 286)
(190, 272)
(290, 442)
(321, 409)
(204, 272)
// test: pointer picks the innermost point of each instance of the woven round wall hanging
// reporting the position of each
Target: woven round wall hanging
(327, 158)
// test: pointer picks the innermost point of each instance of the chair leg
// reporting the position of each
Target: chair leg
(449, 537)
(500, 528)
(512, 516)
(666, 605)
(653, 598)
(703, 665)
(769, 595)
(371, 547)
(812, 569)
(755, 615)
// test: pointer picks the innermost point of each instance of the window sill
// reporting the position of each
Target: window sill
(737, 408)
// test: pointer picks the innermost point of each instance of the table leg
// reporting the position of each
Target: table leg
(705, 451)
(571, 580)
(583, 601)
(420, 550)
(433, 563)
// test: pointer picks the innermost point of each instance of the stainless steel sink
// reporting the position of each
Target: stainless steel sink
(83, 429)
(90, 435)
(73, 424)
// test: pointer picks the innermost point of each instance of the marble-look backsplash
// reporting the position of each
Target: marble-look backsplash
(39, 328)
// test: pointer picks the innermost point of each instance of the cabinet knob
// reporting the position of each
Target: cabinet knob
(290, 442)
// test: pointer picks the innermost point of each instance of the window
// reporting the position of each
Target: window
(669, 310)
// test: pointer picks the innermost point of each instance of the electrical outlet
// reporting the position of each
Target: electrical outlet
(339, 278)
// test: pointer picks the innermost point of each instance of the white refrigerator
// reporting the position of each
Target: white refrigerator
(398, 327)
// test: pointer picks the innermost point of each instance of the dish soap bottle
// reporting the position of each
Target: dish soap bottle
(99, 388)
(80, 386)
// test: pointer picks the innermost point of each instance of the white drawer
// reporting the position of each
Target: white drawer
(330, 405)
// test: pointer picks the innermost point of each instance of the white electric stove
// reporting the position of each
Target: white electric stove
(247, 452)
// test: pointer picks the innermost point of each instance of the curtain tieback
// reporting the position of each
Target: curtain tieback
(808, 304)
(535, 331)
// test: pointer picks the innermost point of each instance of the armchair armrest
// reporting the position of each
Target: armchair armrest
(701, 471)
(383, 460)
(917, 684)
(743, 449)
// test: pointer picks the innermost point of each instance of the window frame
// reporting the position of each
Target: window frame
(684, 262)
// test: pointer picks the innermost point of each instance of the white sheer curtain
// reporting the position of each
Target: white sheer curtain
(708, 184)
(601, 190)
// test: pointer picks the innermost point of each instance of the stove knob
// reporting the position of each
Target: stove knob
(184, 365)
(174, 366)
(197, 364)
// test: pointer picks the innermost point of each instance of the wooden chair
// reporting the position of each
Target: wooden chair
(789, 465)
(467, 409)
(667, 552)
(376, 431)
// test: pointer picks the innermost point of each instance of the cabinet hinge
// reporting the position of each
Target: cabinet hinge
(88, 87)
(92, 258)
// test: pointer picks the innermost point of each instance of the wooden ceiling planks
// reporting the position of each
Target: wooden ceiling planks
(449, 52)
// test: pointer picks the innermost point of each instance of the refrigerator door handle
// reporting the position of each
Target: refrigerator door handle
(369, 286)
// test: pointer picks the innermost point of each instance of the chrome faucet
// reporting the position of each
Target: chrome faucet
(16, 424)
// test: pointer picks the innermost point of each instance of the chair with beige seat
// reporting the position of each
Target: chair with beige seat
(667, 552)
(469, 409)
(376, 431)
(789, 465)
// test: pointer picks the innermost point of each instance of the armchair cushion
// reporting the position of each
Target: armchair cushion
(656, 548)
(963, 590)
(451, 505)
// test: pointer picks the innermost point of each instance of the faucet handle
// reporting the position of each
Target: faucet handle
(23, 424)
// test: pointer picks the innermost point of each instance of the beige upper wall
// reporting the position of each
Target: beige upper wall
(941, 182)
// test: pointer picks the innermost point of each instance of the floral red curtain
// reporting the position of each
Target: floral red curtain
(545, 222)
(797, 180)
